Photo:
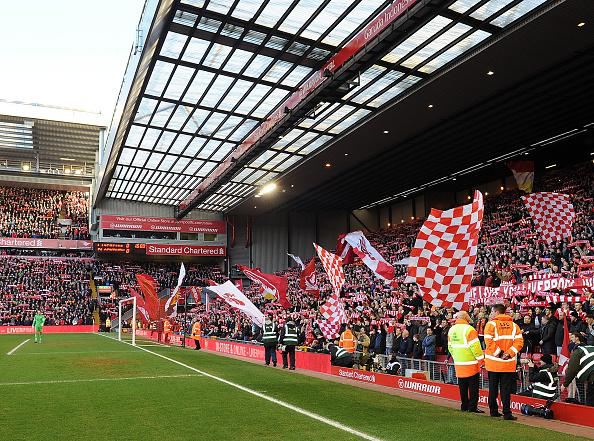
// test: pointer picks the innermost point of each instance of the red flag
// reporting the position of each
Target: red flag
(141, 307)
(149, 287)
(564, 357)
(274, 286)
(307, 281)
(344, 251)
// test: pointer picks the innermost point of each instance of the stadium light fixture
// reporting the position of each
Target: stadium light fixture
(78, 171)
(25, 166)
(67, 159)
(430, 106)
(292, 185)
(255, 206)
(486, 193)
(454, 178)
(581, 24)
(67, 171)
(328, 164)
(490, 73)
(268, 188)
(346, 154)
(551, 166)
(502, 188)
(389, 224)
(386, 132)
(468, 197)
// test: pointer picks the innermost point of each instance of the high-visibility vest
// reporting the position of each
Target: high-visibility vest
(290, 337)
(502, 335)
(547, 390)
(347, 341)
(341, 353)
(196, 330)
(167, 326)
(108, 323)
(586, 363)
(269, 335)
(465, 348)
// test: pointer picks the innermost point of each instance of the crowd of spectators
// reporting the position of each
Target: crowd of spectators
(510, 251)
(57, 286)
(44, 214)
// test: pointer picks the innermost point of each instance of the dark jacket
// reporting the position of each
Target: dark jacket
(559, 333)
(531, 336)
(429, 345)
(406, 347)
(417, 351)
(547, 335)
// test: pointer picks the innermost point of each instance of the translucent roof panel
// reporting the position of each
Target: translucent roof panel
(225, 65)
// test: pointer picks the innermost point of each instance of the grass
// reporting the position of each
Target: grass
(181, 405)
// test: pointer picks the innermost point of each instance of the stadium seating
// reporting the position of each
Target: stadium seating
(34, 213)
(59, 286)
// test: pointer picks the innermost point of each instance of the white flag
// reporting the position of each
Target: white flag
(297, 259)
(369, 255)
(235, 298)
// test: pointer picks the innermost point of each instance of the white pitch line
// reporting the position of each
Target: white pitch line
(19, 345)
(90, 380)
(312, 415)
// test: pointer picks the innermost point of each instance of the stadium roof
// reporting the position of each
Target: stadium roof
(231, 94)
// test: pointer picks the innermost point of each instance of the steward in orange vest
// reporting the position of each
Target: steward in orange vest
(347, 340)
(503, 340)
(196, 331)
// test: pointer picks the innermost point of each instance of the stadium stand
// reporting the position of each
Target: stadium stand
(59, 286)
(35, 213)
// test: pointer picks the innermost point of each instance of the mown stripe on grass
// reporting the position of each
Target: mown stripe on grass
(307, 413)
(90, 380)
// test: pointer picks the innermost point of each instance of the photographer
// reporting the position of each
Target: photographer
(544, 379)
(340, 356)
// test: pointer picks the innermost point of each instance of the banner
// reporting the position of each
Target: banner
(523, 173)
(149, 287)
(369, 255)
(165, 225)
(235, 298)
(141, 307)
(275, 287)
(480, 293)
(48, 329)
(54, 244)
(307, 280)
(185, 250)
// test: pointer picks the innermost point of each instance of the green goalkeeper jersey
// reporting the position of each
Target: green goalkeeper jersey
(38, 321)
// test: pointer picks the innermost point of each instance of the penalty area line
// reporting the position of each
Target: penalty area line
(90, 380)
(284, 404)
(18, 346)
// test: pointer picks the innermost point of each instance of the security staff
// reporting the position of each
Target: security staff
(581, 366)
(340, 356)
(544, 379)
(503, 340)
(196, 331)
(347, 340)
(270, 339)
(167, 330)
(289, 339)
(465, 348)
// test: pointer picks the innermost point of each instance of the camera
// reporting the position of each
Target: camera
(539, 411)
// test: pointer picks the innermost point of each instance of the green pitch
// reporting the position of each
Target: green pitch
(89, 387)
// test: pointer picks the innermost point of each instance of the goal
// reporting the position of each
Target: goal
(133, 327)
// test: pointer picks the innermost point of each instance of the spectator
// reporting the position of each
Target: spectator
(429, 346)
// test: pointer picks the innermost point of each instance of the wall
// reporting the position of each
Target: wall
(123, 207)
(302, 234)
(270, 242)
(364, 219)
(330, 225)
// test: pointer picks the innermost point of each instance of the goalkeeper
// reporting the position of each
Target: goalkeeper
(38, 322)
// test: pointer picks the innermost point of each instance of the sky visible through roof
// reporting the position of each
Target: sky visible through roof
(67, 53)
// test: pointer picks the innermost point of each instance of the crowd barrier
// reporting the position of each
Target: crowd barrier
(570, 413)
(48, 329)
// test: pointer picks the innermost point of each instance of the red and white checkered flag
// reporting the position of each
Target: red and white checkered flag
(329, 329)
(443, 258)
(333, 310)
(552, 214)
(333, 266)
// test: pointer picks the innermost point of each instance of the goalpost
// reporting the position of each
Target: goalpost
(133, 300)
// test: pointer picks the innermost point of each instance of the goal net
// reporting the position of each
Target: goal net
(127, 321)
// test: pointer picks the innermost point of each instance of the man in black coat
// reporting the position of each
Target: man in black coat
(547, 337)
(530, 333)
